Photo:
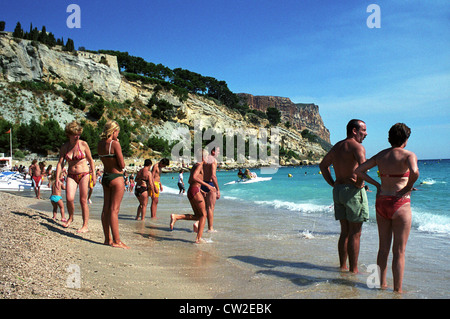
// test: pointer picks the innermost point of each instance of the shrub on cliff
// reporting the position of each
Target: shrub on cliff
(97, 109)
(273, 115)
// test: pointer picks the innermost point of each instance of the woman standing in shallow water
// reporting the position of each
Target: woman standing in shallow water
(196, 198)
(398, 172)
(77, 154)
(110, 153)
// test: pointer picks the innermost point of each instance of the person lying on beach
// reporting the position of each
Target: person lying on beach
(196, 198)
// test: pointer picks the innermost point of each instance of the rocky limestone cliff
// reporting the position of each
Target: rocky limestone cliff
(300, 116)
(24, 60)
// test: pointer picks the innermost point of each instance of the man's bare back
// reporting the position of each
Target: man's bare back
(345, 156)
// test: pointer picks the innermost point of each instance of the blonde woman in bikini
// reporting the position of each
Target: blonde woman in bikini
(110, 153)
(77, 155)
(398, 172)
(196, 198)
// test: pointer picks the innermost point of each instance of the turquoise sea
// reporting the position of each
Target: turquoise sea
(307, 193)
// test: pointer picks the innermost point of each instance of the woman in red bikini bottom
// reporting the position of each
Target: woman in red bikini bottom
(196, 198)
(393, 203)
(77, 155)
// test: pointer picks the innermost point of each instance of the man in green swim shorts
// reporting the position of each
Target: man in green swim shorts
(349, 196)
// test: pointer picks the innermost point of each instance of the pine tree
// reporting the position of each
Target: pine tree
(43, 38)
(70, 46)
(18, 32)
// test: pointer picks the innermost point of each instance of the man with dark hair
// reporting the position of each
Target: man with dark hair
(350, 199)
(353, 124)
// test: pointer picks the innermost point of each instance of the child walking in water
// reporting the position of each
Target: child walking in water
(56, 198)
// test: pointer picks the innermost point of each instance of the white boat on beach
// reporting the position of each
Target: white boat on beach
(14, 181)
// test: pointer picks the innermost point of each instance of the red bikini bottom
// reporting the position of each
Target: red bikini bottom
(192, 191)
(386, 206)
(78, 176)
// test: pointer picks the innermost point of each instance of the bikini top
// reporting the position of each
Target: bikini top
(396, 175)
(79, 155)
(109, 152)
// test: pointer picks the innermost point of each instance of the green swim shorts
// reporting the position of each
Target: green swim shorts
(350, 203)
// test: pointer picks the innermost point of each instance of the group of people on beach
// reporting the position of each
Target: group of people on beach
(397, 167)
(398, 172)
(202, 193)
(81, 174)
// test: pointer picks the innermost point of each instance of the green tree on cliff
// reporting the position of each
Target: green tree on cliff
(18, 31)
(70, 46)
(273, 115)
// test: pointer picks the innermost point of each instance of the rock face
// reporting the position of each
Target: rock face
(300, 116)
(25, 60)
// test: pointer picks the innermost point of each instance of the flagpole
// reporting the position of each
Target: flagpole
(10, 143)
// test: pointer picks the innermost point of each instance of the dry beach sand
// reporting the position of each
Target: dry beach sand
(37, 252)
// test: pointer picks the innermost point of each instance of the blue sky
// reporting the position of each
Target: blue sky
(311, 51)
